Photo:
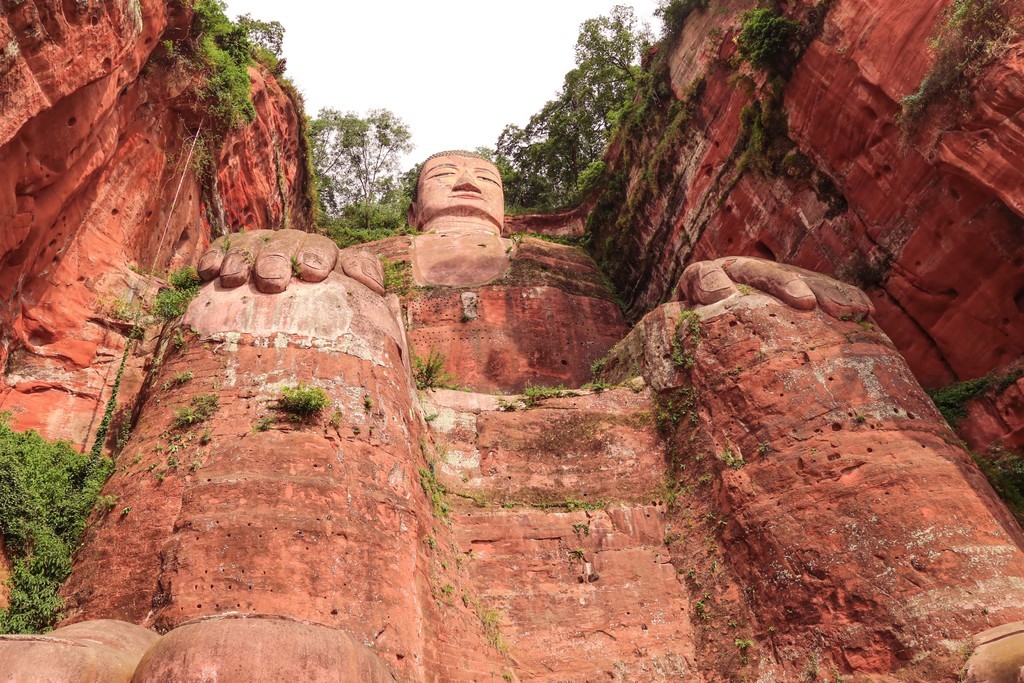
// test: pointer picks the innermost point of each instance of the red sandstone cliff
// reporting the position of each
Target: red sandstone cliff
(933, 227)
(97, 184)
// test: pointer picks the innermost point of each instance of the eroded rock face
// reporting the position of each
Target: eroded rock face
(101, 651)
(566, 537)
(861, 530)
(544, 323)
(95, 181)
(251, 511)
(776, 476)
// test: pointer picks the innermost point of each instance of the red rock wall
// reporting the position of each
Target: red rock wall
(939, 229)
(544, 323)
(94, 145)
(848, 520)
(579, 594)
(251, 512)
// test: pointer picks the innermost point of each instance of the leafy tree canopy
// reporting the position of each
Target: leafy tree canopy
(541, 163)
(356, 163)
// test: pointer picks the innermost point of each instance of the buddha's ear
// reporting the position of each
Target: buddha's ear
(410, 216)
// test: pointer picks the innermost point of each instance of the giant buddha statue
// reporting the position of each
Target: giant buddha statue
(459, 209)
(754, 485)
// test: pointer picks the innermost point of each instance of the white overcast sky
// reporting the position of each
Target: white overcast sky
(456, 72)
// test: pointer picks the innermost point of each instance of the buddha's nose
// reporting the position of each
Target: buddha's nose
(464, 183)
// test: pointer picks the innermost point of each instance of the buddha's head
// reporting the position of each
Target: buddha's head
(458, 190)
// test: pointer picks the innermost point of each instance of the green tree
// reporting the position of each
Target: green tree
(222, 49)
(266, 39)
(356, 163)
(268, 35)
(542, 162)
(768, 40)
(47, 490)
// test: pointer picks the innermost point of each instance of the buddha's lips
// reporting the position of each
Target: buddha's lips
(467, 195)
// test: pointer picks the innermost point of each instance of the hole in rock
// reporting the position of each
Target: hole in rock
(107, 64)
(836, 427)
(114, 212)
(762, 250)
(72, 121)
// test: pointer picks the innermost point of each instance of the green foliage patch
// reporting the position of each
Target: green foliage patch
(674, 13)
(767, 40)
(430, 373)
(223, 48)
(952, 400)
(436, 492)
(303, 401)
(199, 409)
(171, 303)
(685, 340)
(47, 490)
(554, 159)
(398, 277)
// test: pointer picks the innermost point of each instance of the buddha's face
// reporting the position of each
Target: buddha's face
(460, 188)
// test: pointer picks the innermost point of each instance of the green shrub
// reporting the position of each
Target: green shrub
(766, 39)
(674, 13)
(199, 409)
(436, 492)
(302, 401)
(429, 372)
(47, 490)
(590, 177)
(685, 340)
(223, 48)
(184, 279)
(171, 303)
(965, 43)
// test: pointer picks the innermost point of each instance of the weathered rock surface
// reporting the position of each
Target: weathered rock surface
(580, 594)
(543, 323)
(862, 532)
(996, 419)
(96, 179)
(253, 512)
(259, 650)
(101, 651)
